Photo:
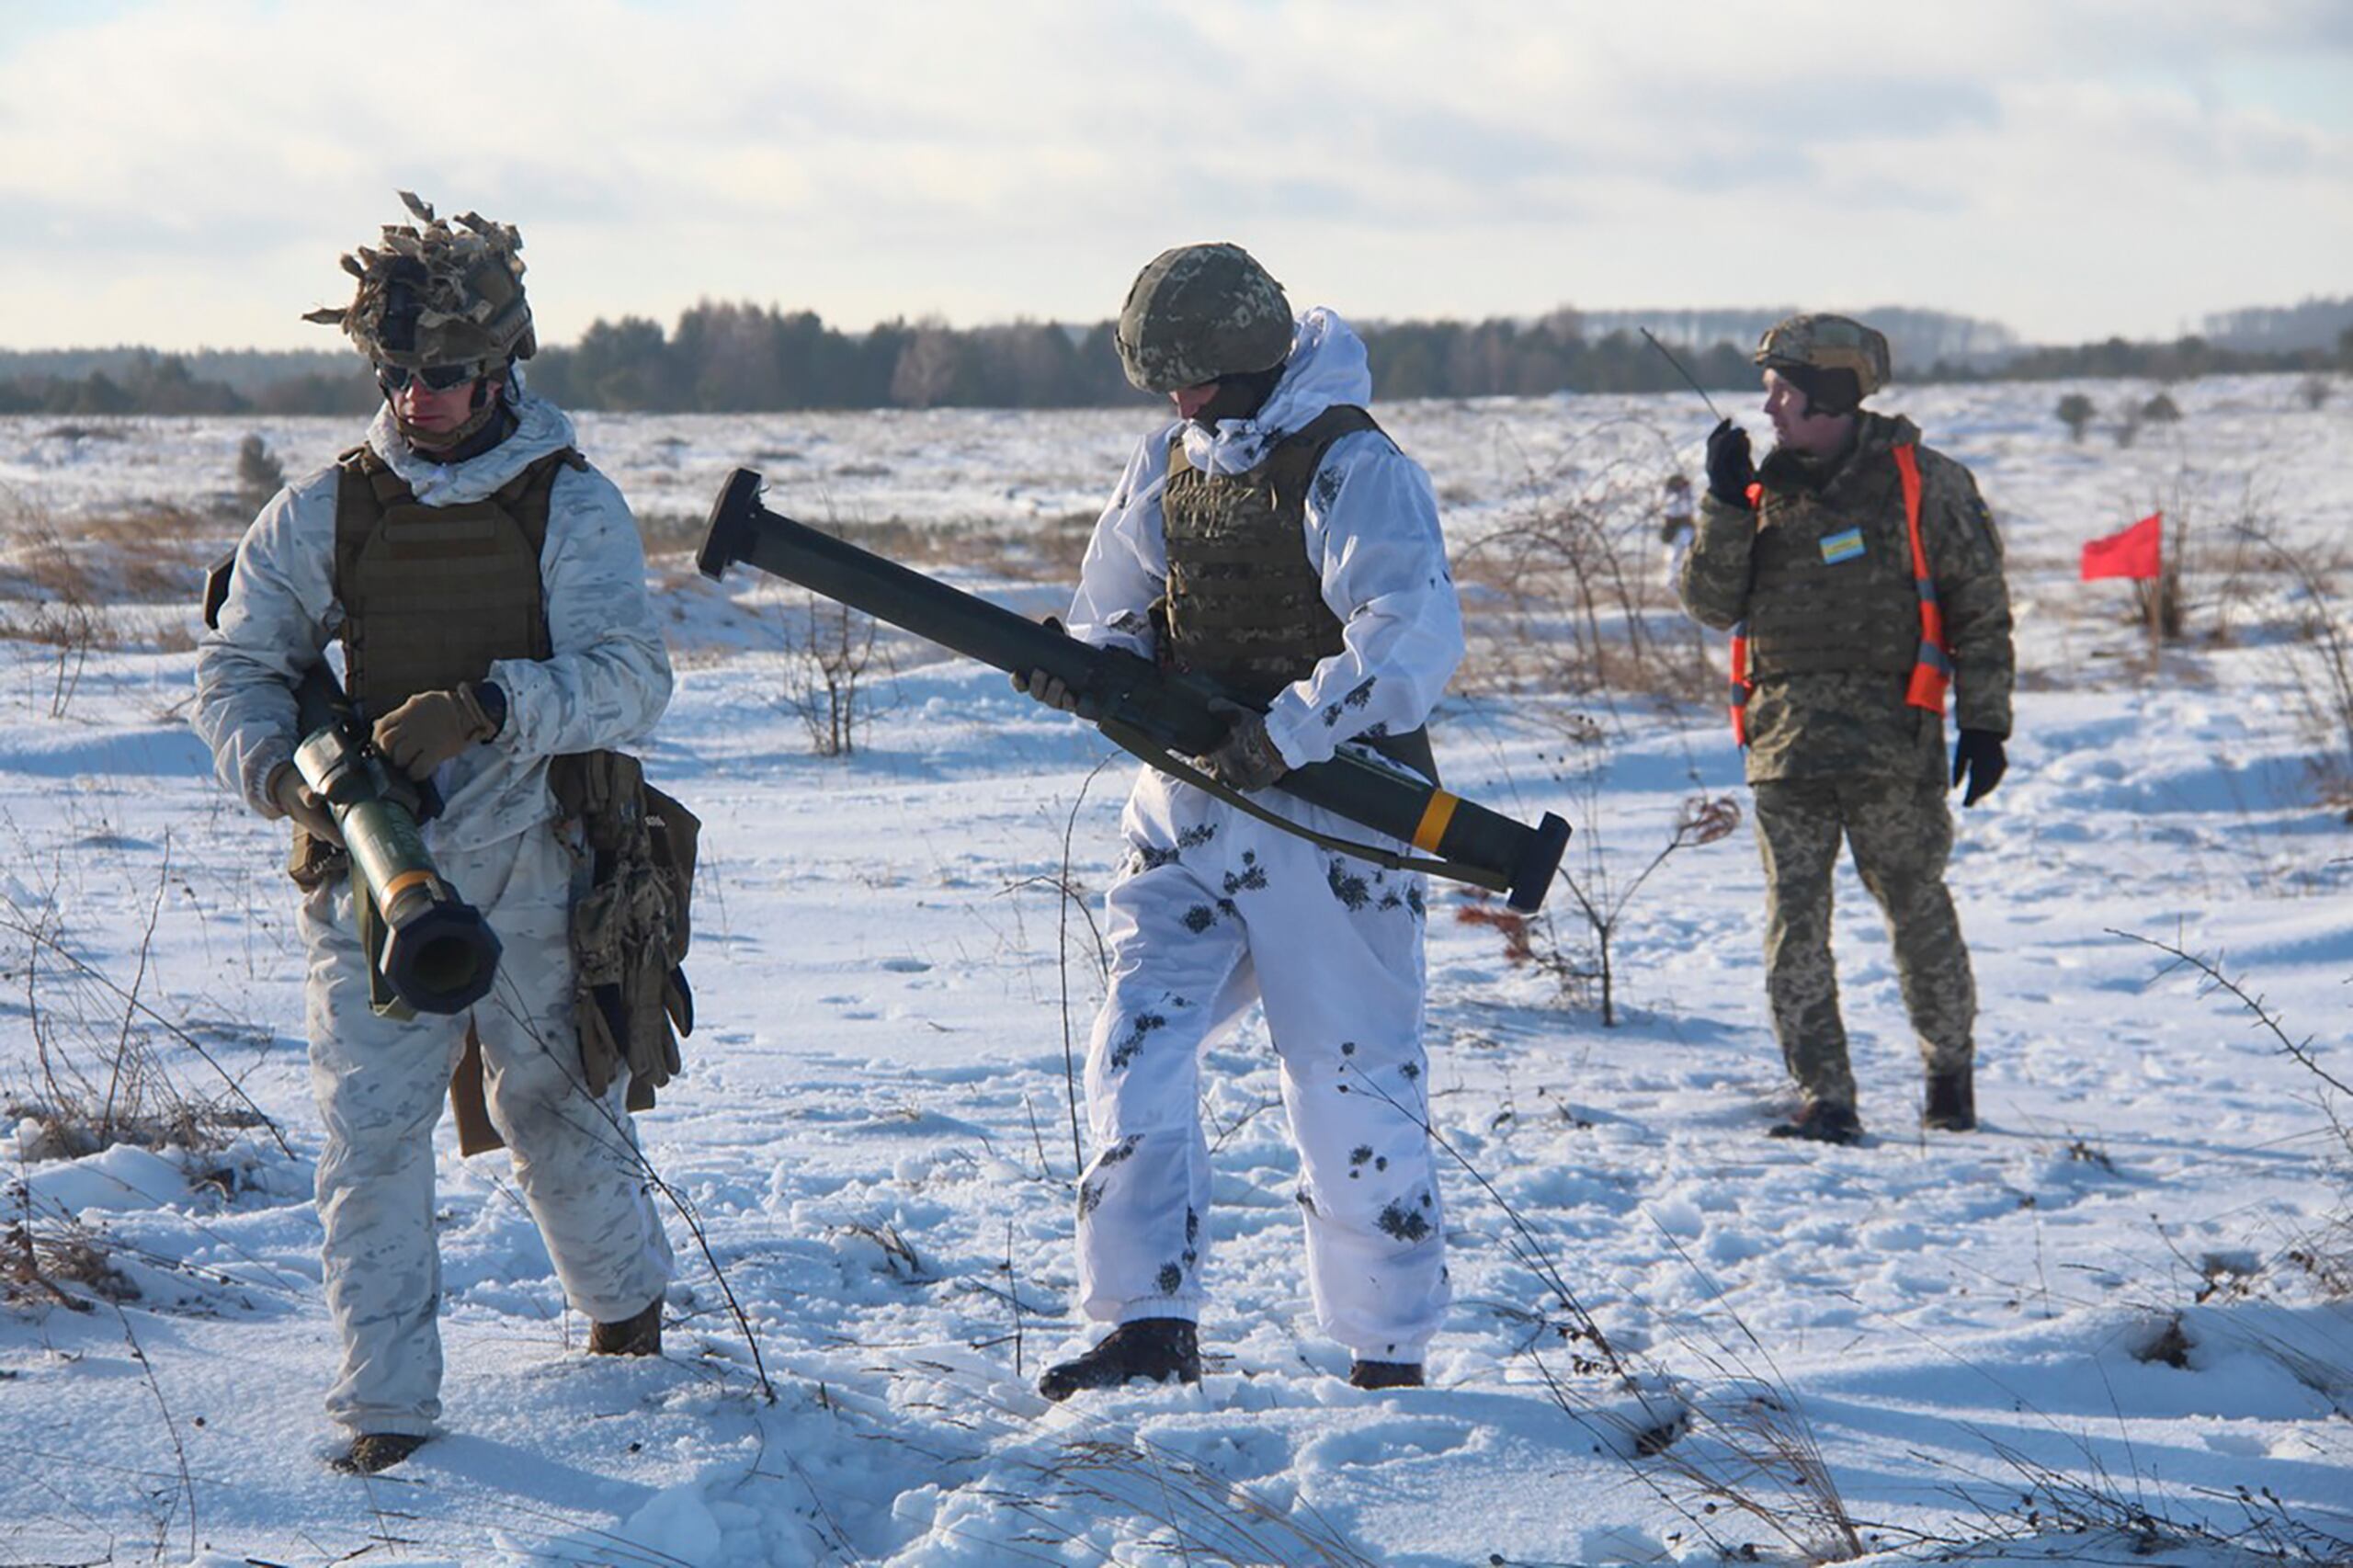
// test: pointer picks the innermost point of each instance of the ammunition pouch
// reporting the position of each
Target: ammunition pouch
(630, 928)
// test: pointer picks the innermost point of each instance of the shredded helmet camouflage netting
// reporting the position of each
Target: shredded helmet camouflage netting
(434, 293)
(1824, 344)
(1198, 313)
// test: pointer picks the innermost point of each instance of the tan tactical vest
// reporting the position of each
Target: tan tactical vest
(1245, 605)
(1818, 606)
(433, 595)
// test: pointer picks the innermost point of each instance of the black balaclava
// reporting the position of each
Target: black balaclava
(1240, 395)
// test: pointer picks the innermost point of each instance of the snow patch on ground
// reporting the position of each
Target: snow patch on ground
(2116, 1289)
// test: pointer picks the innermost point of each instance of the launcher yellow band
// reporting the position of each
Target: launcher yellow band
(1435, 816)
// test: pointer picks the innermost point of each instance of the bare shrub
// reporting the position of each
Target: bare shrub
(1587, 613)
(99, 1078)
(830, 650)
(2328, 1257)
(38, 566)
(1755, 1453)
(1752, 1450)
(2320, 664)
(2314, 389)
(2207, 561)
(2161, 596)
(1601, 896)
(2115, 1519)
(2255, 567)
(38, 1260)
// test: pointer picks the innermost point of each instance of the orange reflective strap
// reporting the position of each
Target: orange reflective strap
(1932, 666)
(1907, 469)
(1740, 683)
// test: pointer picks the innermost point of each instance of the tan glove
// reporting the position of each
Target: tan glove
(298, 801)
(432, 727)
(1247, 759)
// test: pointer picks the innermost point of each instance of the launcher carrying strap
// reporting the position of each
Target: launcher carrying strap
(1142, 746)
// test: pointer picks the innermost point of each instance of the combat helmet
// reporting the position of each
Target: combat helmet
(437, 292)
(1836, 360)
(1198, 313)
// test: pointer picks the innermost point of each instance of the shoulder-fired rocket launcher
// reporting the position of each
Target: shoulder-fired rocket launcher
(1162, 716)
(428, 950)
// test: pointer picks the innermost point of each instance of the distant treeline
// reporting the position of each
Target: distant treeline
(2184, 359)
(730, 359)
(141, 380)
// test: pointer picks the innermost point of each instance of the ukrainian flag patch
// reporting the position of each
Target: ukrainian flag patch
(1839, 547)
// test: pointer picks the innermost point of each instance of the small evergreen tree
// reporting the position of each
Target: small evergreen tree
(2075, 412)
(259, 474)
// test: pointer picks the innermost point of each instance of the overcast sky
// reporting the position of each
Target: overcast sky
(186, 175)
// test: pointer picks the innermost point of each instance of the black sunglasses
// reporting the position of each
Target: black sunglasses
(437, 378)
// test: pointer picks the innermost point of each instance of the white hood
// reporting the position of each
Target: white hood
(1326, 365)
(540, 427)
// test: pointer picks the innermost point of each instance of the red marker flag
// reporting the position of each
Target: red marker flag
(2137, 551)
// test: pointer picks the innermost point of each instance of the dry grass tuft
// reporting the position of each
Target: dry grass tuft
(38, 1262)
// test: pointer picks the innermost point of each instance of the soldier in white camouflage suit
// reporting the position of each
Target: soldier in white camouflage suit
(488, 587)
(1272, 539)
(1862, 576)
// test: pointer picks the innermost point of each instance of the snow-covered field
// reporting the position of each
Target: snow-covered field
(2111, 1305)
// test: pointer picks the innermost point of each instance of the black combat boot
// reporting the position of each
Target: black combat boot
(639, 1335)
(373, 1451)
(1952, 1102)
(1385, 1374)
(1154, 1348)
(1821, 1123)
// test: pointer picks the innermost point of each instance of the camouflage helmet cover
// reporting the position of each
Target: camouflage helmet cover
(1198, 313)
(1828, 343)
(437, 292)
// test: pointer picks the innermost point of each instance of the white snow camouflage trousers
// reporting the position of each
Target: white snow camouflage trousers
(1213, 911)
(380, 1083)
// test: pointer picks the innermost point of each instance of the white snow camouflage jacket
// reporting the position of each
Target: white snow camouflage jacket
(1376, 544)
(606, 682)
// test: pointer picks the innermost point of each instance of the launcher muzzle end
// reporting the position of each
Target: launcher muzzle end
(1533, 876)
(440, 956)
(731, 516)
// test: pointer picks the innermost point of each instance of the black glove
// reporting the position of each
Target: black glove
(1979, 757)
(1054, 691)
(1730, 470)
(1247, 759)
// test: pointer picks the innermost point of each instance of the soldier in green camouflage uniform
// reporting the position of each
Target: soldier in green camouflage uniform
(1808, 559)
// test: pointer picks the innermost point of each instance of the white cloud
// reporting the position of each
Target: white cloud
(182, 173)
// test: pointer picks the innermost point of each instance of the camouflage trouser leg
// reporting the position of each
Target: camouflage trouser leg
(1901, 833)
(1797, 833)
(1215, 911)
(380, 1083)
